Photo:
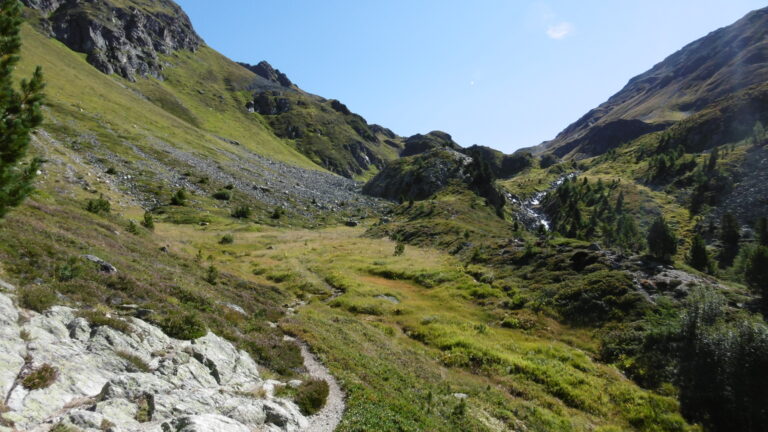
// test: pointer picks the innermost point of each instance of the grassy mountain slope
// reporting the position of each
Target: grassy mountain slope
(725, 61)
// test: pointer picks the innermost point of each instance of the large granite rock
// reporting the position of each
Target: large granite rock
(137, 381)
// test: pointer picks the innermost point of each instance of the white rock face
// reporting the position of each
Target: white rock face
(198, 386)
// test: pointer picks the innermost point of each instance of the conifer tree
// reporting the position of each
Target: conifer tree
(713, 158)
(628, 237)
(761, 231)
(730, 236)
(19, 112)
(698, 257)
(756, 273)
(662, 242)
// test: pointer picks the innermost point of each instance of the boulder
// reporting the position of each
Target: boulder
(203, 385)
(104, 266)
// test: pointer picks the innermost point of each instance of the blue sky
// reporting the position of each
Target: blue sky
(501, 73)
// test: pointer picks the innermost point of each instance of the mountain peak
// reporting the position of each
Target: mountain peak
(269, 73)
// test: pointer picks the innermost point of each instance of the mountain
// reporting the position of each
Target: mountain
(141, 39)
(725, 61)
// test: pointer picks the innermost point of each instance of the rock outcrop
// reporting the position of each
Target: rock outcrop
(266, 71)
(123, 38)
(419, 177)
(419, 143)
(142, 380)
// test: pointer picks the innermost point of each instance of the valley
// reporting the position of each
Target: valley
(230, 252)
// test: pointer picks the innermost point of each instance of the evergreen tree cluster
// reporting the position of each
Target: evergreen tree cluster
(585, 210)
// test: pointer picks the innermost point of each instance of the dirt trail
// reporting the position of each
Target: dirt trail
(329, 417)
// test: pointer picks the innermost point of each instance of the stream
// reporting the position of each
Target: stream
(530, 212)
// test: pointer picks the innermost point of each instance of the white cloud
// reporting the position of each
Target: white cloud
(560, 30)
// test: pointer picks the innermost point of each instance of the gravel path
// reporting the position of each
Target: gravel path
(329, 417)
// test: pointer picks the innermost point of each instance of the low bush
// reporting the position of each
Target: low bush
(223, 195)
(179, 198)
(311, 396)
(227, 239)
(183, 326)
(40, 378)
(98, 206)
(601, 296)
(99, 319)
(37, 298)
(242, 212)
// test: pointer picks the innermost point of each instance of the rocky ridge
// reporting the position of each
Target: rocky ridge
(126, 41)
(721, 63)
(139, 380)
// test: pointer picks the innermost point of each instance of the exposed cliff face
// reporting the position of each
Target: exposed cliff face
(725, 61)
(124, 40)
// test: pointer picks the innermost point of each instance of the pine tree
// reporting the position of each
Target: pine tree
(756, 273)
(758, 133)
(627, 235)
(698, 257)
(662, 242)
(19, 112)
(620, 203)
(729, 235)
(761, 231)
(713, 157)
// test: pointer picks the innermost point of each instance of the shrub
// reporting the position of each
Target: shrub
(227, 239)
(212, 275)
(399, 249)
(311, 396)
(223, 195)
(132, 227)
(277, 213)
(68, 271)
(270, 350)
(40, 378)
(186, 327)
(37, 298)
(179, 198)
(602, 296)
(242, 212)
(149, 221)
(98, 205)
(100, 319)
